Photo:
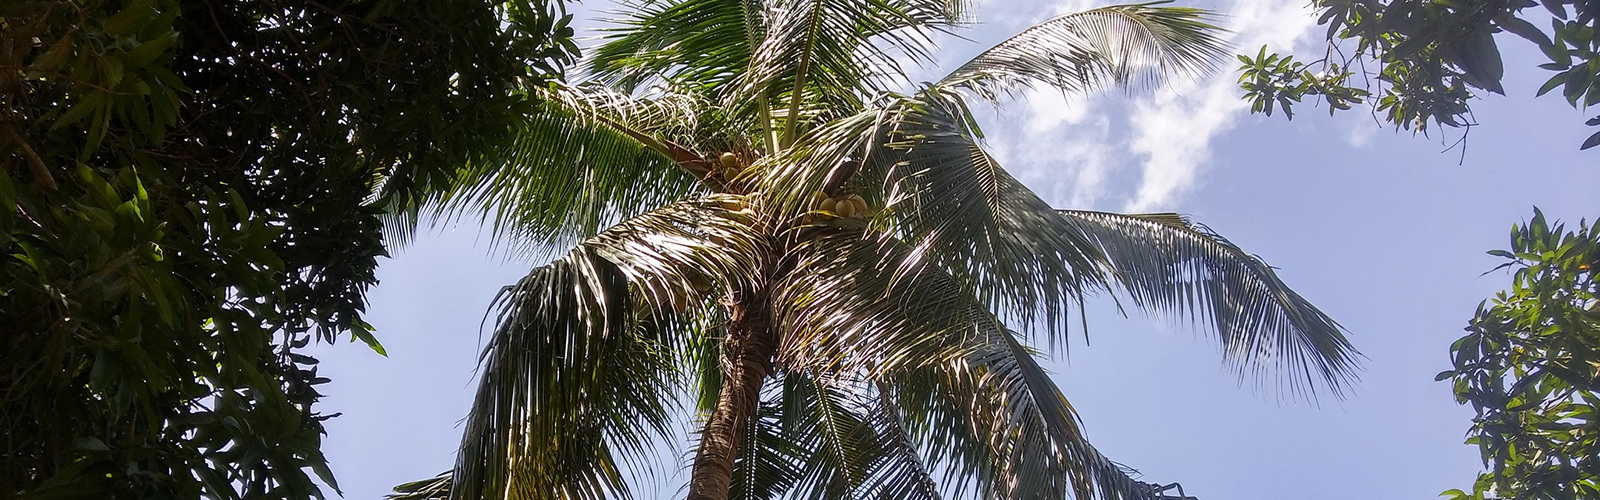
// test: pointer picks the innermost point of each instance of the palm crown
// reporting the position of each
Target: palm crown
(822, 268)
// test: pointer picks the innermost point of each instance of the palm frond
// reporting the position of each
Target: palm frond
(863, 306)
(769, 462)
(575, 166)
(564, 383)
(1167, 263)
(831, 425)
(948, 197)
(1047, 451)
(854, 307)
(828, 56)
(574, 378)
(901, 472)
(700, 45)
(825, 439)
(661, 115)
(995, 422)
(943, 194)
(1123, 45)
(435, 488)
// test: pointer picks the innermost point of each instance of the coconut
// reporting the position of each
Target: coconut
(859, 203)
(821, 202)
(844, 208)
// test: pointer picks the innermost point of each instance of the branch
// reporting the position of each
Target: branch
(41, 172)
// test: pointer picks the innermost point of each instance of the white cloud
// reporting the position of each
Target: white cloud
(1144, 154)
(1173, 132)
(1174, 129)
(1361, 131)
(1072, 169)
(1052, 109)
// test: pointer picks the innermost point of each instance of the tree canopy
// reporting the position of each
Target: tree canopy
(1427, 60)
(1528, 365)
(186, 203)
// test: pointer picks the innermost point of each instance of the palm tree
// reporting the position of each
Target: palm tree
(836, 278)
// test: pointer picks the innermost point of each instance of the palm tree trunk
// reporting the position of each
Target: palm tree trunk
(747, 353)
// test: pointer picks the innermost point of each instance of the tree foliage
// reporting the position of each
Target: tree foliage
(769, 229)
(1426, 60)
(185, 205)
(1529, 366)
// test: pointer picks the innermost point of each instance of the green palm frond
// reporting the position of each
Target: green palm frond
(661, 115)
(944, 195)
(936, 411)
(565, 383)
(948, 197)
(699, 45)
(1123, 45)
(827, 56)
(831, 425)
(832, 151)
(824, 439)
(997, 426)
(865, 307)
(769, 462)
(1042, 446)
(1166, 263)
(900, 472)
(576, 166)
(436, 488)
(575, 376)
(854, 307)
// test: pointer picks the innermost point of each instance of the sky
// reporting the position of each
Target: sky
(1384, 230)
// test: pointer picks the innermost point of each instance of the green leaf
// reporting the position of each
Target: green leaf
(1556, 8)
(84, 107)
(364, 334)
(1552, 83)
(1592, 141)
(129, 20)
(1577, 84)
(1480, 58)
(1524, 29)
(147, 52)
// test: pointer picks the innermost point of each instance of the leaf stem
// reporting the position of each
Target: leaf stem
(769, 135)
(800, 77)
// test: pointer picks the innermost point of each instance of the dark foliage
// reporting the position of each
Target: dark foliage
(1428, 59)
(186, 203)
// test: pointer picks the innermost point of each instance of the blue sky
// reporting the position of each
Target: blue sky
(1380, 229)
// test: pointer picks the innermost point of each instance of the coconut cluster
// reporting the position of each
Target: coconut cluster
(846, 206)
(731, 165)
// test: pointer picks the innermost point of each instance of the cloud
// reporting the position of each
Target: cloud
(1051, 110)
(1361, 131)
(1173, 130)
(1145, 153)
(1071, 167)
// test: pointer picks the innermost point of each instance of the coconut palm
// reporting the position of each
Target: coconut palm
(829, 274)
